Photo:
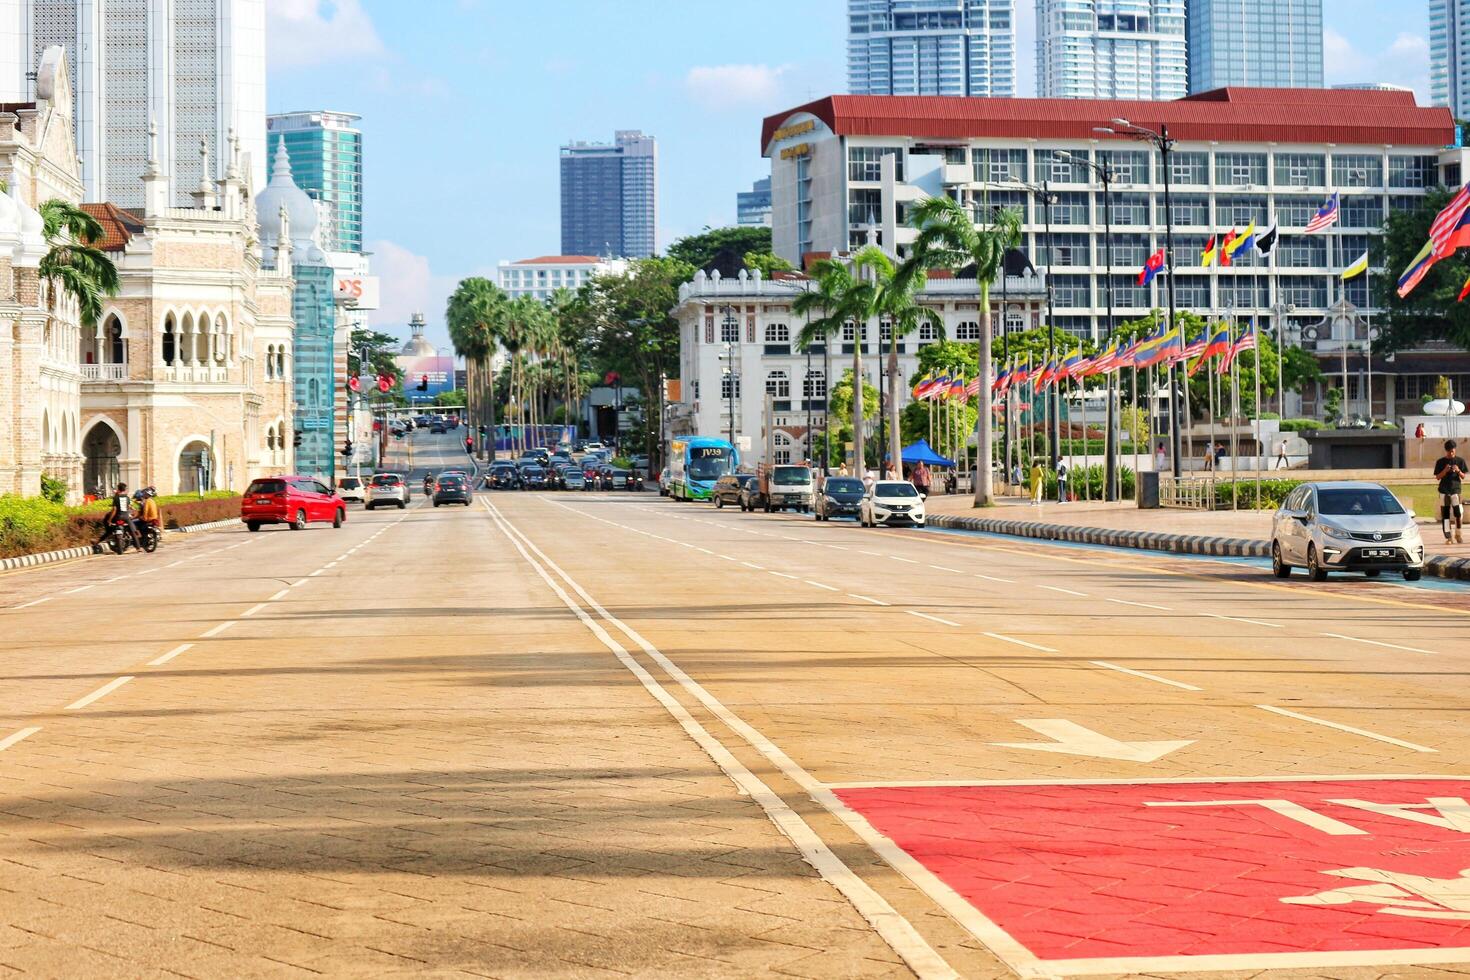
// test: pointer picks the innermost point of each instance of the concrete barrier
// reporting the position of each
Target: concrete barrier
(71, 554)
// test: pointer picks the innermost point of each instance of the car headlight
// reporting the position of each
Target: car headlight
(1334, 531)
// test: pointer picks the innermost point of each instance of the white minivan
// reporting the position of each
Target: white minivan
(892, 502)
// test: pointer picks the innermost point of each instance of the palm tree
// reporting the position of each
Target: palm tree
(474, 314)
(842, 298)
(895, 301)
(81, 270)
(950, 238)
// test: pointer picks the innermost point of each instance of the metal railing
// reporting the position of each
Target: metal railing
(1187, 492)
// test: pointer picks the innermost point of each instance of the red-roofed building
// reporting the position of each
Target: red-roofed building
(545, 274)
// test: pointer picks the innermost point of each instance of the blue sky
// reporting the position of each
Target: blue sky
(465, 102)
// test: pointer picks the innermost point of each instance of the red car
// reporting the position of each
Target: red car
(293, 500)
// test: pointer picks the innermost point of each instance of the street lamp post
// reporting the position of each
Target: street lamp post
(1161, 140)
(731, 328)
(1278, 316)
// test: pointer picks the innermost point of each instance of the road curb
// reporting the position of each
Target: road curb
(71, 554)
(1440, 566)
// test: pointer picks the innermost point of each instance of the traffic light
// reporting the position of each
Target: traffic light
(423, 382)
(347, 449)
(296, 439)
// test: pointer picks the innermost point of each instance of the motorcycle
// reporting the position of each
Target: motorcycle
(119, 539)
(150, 536)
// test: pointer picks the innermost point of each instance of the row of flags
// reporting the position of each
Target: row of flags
(1449, 232)
(1162, 347)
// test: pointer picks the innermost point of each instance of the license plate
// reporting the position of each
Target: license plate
(262, 500)
(1378, 552)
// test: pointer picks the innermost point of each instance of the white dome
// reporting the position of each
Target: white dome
(300, 208)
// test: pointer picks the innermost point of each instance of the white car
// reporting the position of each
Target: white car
(892, 502)
(387, 489)
(1345, 526)
(350, 488)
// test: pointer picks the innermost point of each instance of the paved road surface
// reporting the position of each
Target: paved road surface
(608, 734)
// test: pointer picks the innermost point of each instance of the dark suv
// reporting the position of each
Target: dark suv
(452, 488)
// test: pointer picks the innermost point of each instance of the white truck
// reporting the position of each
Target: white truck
(786, 486)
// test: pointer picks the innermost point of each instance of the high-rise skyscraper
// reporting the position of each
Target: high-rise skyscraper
(753, 207)
(931, 47)
(1255, 43)
(193, 68)
(1449, 55)
(1111, 49)
(325, 149)
(609, 196)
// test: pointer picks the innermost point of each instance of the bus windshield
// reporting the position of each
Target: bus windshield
(708, 462)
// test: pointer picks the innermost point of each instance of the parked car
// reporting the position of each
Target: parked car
(351, 488)
(572, 479)
(386, 489)
(841, 496)
(892, 502)
(534, 478)
(452, 488)
(292, 500)
(727, 489)
(1345, 526)
(437, 427)
(503, 476)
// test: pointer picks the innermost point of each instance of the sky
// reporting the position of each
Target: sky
(466, 102)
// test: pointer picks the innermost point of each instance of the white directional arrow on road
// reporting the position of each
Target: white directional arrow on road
(1072, 739)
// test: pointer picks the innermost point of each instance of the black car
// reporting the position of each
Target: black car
(437, 428)
(534, 478)
(452, 488)
(840, 496)
(727, 489)
(503, 476)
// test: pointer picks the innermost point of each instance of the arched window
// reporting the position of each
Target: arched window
(783, 447)
(117, 351)
(170, 340)
(967, 330)
(778, 333)
(815, 384)
(270, 438)
(778, 384)
(281, 361)
(928, 332)
(270, 361)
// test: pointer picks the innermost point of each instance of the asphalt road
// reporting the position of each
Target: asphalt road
(610, 734)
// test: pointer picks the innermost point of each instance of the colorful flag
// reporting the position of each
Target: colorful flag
(1418, 268)
(972, 387)
(921, 387)
(1325, 217)
(939, 387)
(1246, 239)
(1447, 221)
(1464, 291)
(1266, 241)
(1217, 345)
(1022, 374)
(1357, 268)
(1246, 342)
(1069, 364)
(1197, 346)
(1156, 348)
(1046, 375)
(1107, 361)
(1207, 254)
(1225, 243)
(957, 387)
(1151, 268)
(1002, 380)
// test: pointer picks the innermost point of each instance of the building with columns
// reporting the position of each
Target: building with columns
(187, 376)
(40, 369)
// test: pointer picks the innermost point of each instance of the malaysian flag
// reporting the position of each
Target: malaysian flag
(1325, 217)
(1447, 221)
(1246, 342)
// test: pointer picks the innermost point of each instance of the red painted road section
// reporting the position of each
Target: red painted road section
(1087, 871)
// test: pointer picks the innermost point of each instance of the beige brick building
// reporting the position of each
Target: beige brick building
(40, 370)
(186, 378)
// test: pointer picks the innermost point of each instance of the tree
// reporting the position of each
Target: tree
(81, 270)
(475, 314)
(721, 248)
(1430, 312)
(841, 298)
(949, 238)
(840, 404)
(765, 263)
(896, 302)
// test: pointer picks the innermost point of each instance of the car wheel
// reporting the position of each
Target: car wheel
(1412, 574)
(299, 524)
(719, 503)
(1279, 567)
(252, 525)
(401, 505)
(339, 517)
(436, 503)
(1372, 573)
(1314, 567)
(368, 506)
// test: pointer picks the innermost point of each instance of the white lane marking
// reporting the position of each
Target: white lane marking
(1141, 605)
(821, 586)
(279, 595)
(936, 619)
(34, 602)
(160, 661)
(992, 578)
(1023, 643)
(784, 575)
(874, 554)
(21, 735)
(727, 557)
(254, 609)
(216, 630)
(1241, 619)
(147, 571)
(903, 559)
(864, 598)
(1145, 675)
(80, 588)
(759, 568)
(1346, 728)
(946, 568)
(1057, 588)
(101, 692)
(897, 931)
(1378, 643)
(316, 573)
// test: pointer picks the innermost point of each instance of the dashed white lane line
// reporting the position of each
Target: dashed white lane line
(1058, 588)
(160, 661)
(34, 602)
(279, 595)
(728, 557)
(871, 554)
(101, 692)
(909, 561)
(19, 736)
(992, 578)
(1141, 605)
(1022, 643)
(784, 575)
(1346, 728)
(821, 586)
(867, 598)
(217, 629)
(1242, 619)
(935, 619)
(946, 568)
(1145, 675)
(254, 609)
(1378, 643)
(80, 588)
(759, 568)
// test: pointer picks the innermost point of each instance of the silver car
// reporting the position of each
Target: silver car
(387, 490)
(1345, 526)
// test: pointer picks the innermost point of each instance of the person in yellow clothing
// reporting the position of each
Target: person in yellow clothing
(150, 514)
(1038, 481)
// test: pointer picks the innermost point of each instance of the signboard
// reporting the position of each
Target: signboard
(316, 423)
(435, 372)
(358, 292)
(1151, 876)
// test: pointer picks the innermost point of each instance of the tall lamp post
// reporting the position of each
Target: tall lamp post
(1278, 316)
(1042, 192)
(730, 326)
(1161, 140)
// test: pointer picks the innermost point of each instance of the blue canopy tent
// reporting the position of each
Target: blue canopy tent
(921, 452)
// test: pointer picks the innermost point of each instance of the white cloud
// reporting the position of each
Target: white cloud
(306, 33)
(409, 286)
(1404, 61)
(731, 86)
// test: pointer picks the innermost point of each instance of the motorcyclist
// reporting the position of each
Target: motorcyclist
(428, 484)
(148, 512)
(120, 508)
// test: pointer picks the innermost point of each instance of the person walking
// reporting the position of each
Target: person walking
(1209, 457)
(921, 479)
(1064, 470)
(1450, 470)
(1038, 481)
(1161, 459)
(1282, 463)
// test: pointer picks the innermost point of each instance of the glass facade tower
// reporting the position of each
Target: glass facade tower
(1449, 55)
(1255, 43)
(931, 47)
(1111, 49)
(325, 149)
(609, 197)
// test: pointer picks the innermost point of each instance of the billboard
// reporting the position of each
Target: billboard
(358, 292)
(433, 371)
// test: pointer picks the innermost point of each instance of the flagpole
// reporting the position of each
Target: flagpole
(1213, 411)
(1256, 363)
(1234, 420)
(1368, 344)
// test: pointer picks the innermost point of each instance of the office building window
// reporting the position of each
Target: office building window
(1126, 166)
(928, 332)
(1189, 167)
(998, 166)
(1301, 252)
(730, 329)
(814, 385)
(1243, 292)
(1357, 170)
(1070, 248)
(967, 330)
(729, 385)
(1301, 169)
(1239, 210)
(1128, 250)
(986, 204)
(1294, 211)
(1050, 166)
(1071, 290)
(778, 384)
(1127, 292)
(1188, 210)
(864, 207)
(849, 331)
(1071, 208)
(1361, 211)
(866, 162)
(1240, 169)
(778, 333)
(1130, 209)
(1303, 292)
(1191, 293)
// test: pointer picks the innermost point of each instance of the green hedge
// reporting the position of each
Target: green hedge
(1088, 481)
(32, 525)
(1273, 492)
(1300, 425)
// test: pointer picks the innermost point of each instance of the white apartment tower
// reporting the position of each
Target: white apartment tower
(931, 47)
(1111, 49)
(193, 68)
(1449, 55)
